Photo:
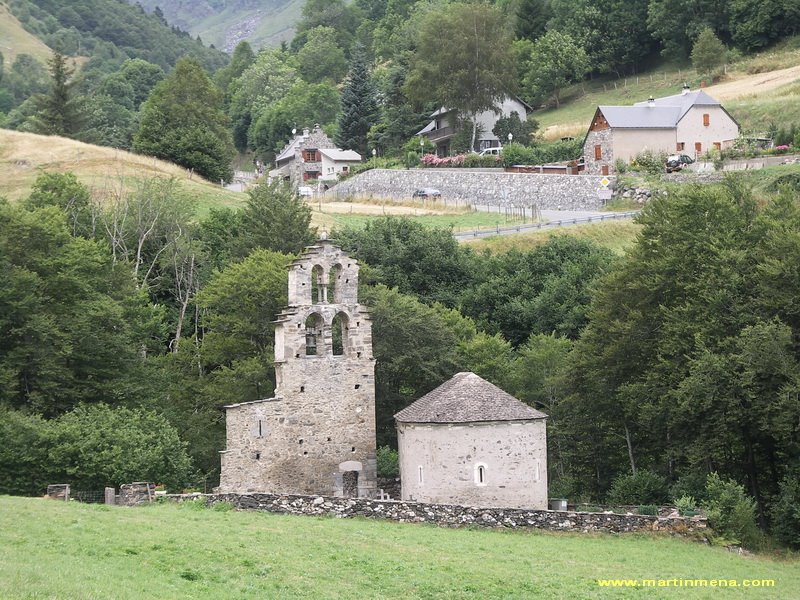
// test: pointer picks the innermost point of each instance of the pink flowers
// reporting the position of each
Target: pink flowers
(782, 147)
(431, 160)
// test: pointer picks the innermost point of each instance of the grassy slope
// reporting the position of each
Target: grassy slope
(273, 27)
(752, 91)
(56, 550)
(14, 40)
(617, 236)
(23, 156)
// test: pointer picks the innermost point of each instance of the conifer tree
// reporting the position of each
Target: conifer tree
(359, 107)
(57, 112)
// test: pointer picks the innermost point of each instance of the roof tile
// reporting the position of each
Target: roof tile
(467, 398)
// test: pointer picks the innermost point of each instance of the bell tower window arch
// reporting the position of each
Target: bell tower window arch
(315, 341)
(340, 333)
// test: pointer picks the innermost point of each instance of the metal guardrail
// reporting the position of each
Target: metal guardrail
(508, 230)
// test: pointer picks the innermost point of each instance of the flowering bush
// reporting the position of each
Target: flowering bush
(460, 160)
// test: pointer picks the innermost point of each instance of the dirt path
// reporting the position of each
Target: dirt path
(751, 85)
(376, 209)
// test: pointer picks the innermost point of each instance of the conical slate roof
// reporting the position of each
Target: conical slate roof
(467, 398)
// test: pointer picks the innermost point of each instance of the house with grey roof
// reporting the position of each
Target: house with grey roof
(687, 123)
(443, 126)
(468, 442)
(311, 156)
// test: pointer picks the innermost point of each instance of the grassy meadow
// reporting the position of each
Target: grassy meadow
(24, 156)
(66, 551)
(14, 40)
(751, 89)
(617, 236)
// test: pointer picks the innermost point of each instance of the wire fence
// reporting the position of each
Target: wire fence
(508, 230)
(88, 496)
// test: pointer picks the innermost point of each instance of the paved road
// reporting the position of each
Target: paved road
(555, 218)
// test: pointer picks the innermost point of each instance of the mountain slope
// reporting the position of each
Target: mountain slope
(24, 156)
(14, 40)
(225, 23)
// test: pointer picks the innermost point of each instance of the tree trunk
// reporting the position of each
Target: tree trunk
(630, 449)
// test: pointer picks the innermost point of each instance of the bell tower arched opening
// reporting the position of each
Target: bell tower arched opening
(340, 333)
(315, 345)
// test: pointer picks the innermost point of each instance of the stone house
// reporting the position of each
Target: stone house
(317, 434)
(312, 155)
(688, 123)
(442, 127)
(468, 442)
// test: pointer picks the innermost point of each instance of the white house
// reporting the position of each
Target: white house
(470, 443)
(312, 156)
(688, 123)
(442, 128)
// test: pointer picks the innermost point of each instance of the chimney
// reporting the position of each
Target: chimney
(685, 89)
(651, 101)
(305, 132)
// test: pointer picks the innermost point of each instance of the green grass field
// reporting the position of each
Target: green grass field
(617, 236)
(63, 551)
(755, 106)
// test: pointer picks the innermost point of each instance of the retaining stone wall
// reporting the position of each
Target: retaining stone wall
(454, 516)
(478, 187)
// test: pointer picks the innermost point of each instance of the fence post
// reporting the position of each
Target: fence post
(111, 495)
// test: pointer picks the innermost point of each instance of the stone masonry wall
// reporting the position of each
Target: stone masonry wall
(498, 188)
(439, 463)
(455, 516)
(605, 139)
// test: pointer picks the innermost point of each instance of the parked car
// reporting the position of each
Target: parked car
(427, 193)
(305, 190)
(496, 151)
(675, 162)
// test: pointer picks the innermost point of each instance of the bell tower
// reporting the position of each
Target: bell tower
(317, 435)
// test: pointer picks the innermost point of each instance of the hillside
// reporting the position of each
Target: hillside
(752, 91)
(188, 551)
(225, 23)
(14, 40)
(107, 30)
(23, 156)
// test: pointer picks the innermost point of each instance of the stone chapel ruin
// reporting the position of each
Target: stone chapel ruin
(317, 434)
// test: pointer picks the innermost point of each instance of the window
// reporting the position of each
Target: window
(311, 155)
(480, 474)
(680, 146)
(339, 331)
(318, 291)
(598, 152)
(698, 147)
(314, 345)
(706, 119)
(718, 145)
(260, 428)
(536, 472)
(419, 473)
(604, 170)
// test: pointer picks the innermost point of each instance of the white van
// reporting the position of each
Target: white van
(496, 151)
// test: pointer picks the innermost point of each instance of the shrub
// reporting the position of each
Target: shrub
(23, 454)
(651, 163)
(686, 505)
(731, 513)
(620, 166)
(388, 464)
(647, 509)
(645, 487)
(691, 484)
(785, 513)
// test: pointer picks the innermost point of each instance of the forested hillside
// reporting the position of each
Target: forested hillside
(123, 312)
(369, 71)
(227, 22)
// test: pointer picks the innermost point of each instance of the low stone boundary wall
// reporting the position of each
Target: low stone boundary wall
(447, 515)
(498, 188)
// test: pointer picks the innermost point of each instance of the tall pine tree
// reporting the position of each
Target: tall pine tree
(58, 112)
(359, 106)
